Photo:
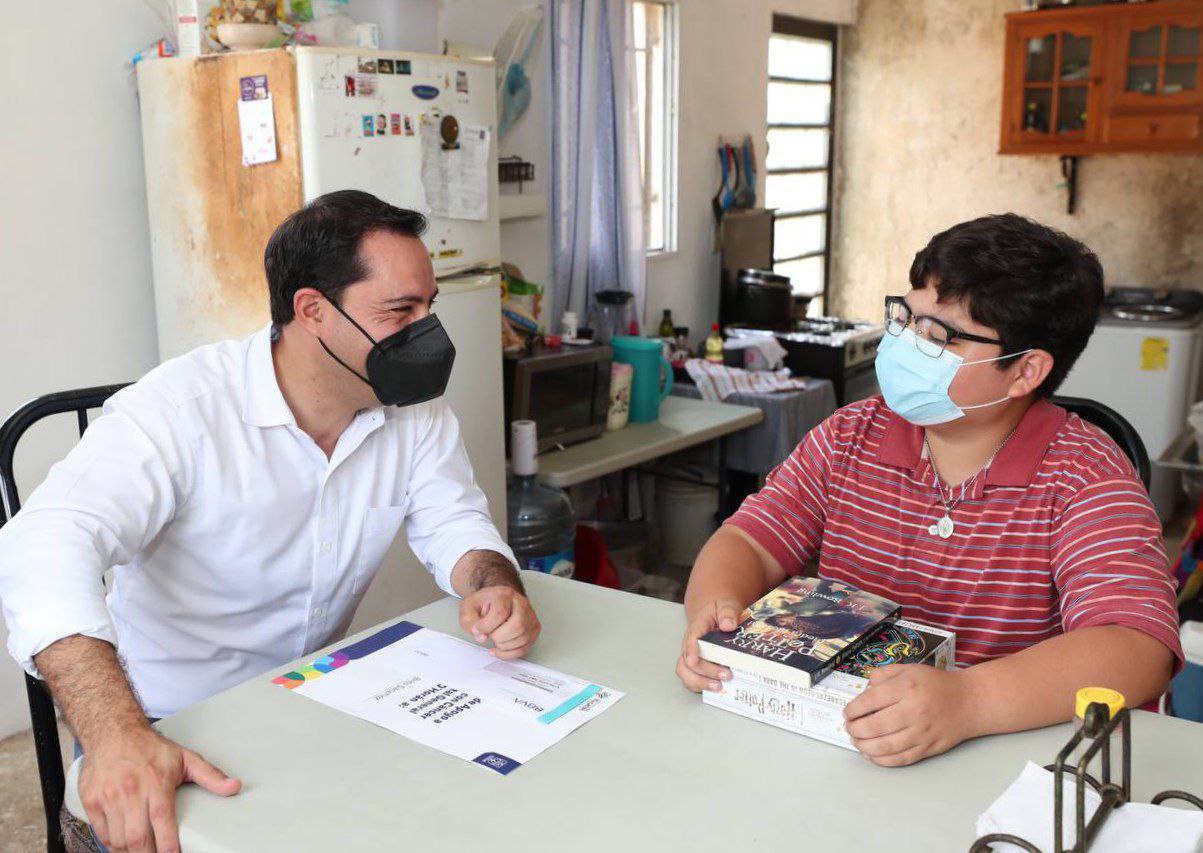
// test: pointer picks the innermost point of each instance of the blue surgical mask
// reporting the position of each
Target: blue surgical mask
(915, 385)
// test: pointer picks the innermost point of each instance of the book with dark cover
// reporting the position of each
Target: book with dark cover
(901, 642)
(800, 631)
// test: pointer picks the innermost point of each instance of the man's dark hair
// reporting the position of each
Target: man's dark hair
(318, 246)
(1038, 288)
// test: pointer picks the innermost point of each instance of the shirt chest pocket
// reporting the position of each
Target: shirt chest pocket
(380, 527)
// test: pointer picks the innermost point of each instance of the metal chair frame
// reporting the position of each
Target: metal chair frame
(41, 705)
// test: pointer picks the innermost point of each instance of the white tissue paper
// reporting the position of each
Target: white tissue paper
(1025, 809)
(1195, 419)
(762, 352)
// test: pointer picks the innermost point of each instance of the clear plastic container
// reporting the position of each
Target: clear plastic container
(540, 523)
(542, 530)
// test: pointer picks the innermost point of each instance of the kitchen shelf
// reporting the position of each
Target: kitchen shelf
(522, 206)
(1117, 77)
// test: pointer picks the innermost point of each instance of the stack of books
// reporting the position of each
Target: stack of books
(804, 651)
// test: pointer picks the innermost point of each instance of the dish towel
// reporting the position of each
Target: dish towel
(717, 382)
(1026, 809)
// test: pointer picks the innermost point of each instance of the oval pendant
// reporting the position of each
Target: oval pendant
(944, 527)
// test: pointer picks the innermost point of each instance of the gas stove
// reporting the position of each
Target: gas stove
(834, 332)
(830, 348)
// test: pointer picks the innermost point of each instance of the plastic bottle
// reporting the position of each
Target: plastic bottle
(568, 324)
(714, 345)
(1086, 696)
(1082, 701)
(540, 522)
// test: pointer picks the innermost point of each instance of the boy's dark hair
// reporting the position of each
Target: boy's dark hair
(1038, 288)
(318, 246)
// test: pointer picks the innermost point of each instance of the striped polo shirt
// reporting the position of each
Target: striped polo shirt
(1057, 534)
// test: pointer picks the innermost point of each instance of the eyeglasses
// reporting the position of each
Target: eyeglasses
(931, 335)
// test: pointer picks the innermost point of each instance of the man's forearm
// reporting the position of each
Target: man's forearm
(730, 567)
(91, 688)
(1036, 687)
(478, 569)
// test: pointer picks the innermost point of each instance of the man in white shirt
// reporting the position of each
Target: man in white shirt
(245, 495)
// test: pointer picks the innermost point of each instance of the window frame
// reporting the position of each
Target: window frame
(788, 25)
(670, 129)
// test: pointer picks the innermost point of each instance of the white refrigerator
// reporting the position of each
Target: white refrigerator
(416, 130)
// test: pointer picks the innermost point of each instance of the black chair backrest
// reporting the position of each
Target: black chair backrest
(1113, 423)
(41, 706)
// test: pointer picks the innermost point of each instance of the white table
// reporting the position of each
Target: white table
(683, 423)
(657, 772)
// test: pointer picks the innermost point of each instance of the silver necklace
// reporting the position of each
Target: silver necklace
(945, 526)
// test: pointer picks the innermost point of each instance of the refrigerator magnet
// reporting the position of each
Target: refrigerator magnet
(381, 124)
(384, 66)
(426, 92)
(349, 85)
(365, 85)
(401, 66)
(253, 88)
(369, 125)
(367, 65)
(395, 124)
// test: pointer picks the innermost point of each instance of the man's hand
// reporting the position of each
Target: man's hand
(127, 784)
(504, 615)
(697, 674)
(910, 712)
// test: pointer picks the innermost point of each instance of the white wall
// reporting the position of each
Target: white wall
(524, 242)
(74, 250)
(404, 24)
(723, 89)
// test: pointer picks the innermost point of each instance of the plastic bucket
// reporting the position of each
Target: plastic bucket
(685, 512)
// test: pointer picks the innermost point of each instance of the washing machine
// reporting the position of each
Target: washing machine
(1143, 361)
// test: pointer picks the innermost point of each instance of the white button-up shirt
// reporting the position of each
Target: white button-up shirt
(237, 544)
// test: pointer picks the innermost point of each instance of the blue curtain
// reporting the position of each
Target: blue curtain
(597, 195)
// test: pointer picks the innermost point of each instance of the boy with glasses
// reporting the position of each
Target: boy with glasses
(966, 496)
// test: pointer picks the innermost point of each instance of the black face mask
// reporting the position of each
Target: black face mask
(410, 367)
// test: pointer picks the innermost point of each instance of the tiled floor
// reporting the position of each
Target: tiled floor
(22, 826)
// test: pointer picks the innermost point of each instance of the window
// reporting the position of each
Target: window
(801, 102)
(656, 83)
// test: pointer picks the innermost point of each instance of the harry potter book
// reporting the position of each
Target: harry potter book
(799, 632)
(901, 642)
(818, 711)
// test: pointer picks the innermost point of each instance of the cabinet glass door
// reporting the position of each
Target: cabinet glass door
(1162, 62)
(1056, 84)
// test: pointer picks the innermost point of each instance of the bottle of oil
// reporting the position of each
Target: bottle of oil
(714, 345)
(540, 521)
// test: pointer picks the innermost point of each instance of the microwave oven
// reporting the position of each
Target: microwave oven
(565, 391)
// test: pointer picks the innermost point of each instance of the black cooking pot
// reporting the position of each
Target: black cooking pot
(764, 300)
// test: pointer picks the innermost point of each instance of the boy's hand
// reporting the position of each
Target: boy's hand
(910, 712)
(698, 674)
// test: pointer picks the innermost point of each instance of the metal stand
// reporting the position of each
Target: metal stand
(1096, 728)
(1069, 171)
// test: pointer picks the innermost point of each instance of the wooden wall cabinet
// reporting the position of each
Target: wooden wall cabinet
(1109, 78)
